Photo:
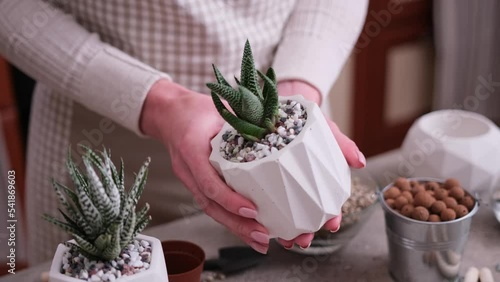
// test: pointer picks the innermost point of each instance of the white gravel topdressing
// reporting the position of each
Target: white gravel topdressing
(292, 118)
(135, 258)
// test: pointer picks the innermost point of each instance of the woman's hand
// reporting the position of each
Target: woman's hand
(186, 121)
(351, 152)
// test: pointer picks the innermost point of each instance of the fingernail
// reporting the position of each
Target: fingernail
(288, 247)
(361, 158)
(258, 247)
(248, 213)
(335, 230)
(260, 237)
(303, 248)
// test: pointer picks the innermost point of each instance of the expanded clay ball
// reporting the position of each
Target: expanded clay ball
(450, 183)
(448, 214)
(400, 202)
(437, 207)
(468, 201)
(407, 210)
(450, 202)
(432, 185)
(420, 213)
(417, 189)
(461, 211)
(423, 199)
(434, 218)
(403, 184)
(407, 195)
(440, 194)
(390, 202)
(457, 193)
(392, 193)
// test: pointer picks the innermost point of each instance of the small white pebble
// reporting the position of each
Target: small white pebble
(144, 243)
(131, 247)
(134, 255)
(104, 277)
(113, 263)
(282, 113)
(281, 131)
(146, 265)
(240, 141)
(84, 274)
(100, 273)
(273, 150)
(65, 260)
(138, 263)
(95, 278)
(125, 256)
(259, 146)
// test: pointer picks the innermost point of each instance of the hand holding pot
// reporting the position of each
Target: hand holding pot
(349, 149)
(186, 121)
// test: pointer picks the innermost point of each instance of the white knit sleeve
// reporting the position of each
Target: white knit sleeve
(317, 40)
(56, 51)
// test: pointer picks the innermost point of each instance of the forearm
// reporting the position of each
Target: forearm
(155, 115)
(55, 50)
(317, 41)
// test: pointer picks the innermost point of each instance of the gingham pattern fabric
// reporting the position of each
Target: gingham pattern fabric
(125, 46)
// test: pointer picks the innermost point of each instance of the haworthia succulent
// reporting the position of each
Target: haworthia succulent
(100, 215)
(255, 110)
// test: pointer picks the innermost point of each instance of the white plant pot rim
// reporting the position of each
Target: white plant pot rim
(157, 264)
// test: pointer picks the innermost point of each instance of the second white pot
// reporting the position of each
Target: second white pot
(157, 269)
(297, 189)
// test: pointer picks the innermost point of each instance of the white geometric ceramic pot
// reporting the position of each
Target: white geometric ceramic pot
(454, 143)
(300, 187)
(157, 270)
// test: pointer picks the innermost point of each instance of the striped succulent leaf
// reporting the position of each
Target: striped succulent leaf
(100, 214)
(255, 109)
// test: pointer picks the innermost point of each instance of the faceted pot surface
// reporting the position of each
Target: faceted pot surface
(300, 187)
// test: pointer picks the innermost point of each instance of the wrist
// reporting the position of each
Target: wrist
(299, 87)
(159, 99)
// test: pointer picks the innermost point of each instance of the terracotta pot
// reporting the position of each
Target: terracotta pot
(300, 187)
(184, 260)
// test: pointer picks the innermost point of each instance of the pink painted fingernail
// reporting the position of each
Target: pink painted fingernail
(248, 213)
(303, 248)
(288, 247)
(260, 237)
(361, 158)
(335, 230)
(258, 247)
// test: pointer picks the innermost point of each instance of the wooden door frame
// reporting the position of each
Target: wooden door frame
(370, 131)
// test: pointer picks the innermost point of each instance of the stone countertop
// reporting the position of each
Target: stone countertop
(364, 258)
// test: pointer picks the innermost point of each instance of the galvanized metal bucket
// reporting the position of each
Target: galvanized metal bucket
(425, 251)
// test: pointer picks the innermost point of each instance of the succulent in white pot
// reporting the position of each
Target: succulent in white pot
(100, 215)
(278, 152)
